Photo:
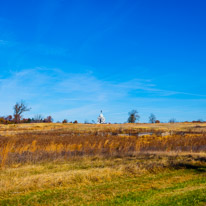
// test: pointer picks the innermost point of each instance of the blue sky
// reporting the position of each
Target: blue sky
(71, 59)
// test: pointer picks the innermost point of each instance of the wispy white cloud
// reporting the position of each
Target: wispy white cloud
(80, 96)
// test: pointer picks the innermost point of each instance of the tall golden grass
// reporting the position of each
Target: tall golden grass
(39, 143)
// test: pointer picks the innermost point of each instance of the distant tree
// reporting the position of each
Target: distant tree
(152, 118)
(2, 120)
(157, 121)
(64, 121)
(49, 119)
(93, 122)
(9, 118)
(173, 120)
(200, 120)
(19, 109)
(25, 120)
(86, 122)
(133, 116)
(38, 118)
(75, 122)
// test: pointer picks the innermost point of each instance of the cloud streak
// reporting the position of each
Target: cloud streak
(51, 91)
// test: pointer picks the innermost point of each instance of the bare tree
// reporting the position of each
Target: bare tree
(173, 120)
(38, 118)
(19, 108)
(133, 116)
(152, 118)
(86, 121)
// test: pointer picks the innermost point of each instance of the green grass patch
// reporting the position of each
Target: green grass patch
(177, 187)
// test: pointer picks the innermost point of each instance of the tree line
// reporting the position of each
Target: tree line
(17, 117)
(134, 117)
(20, 108)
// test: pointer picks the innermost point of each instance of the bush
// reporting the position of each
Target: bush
(64, 121)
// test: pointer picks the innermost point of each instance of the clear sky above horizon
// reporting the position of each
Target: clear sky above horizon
(71, 59)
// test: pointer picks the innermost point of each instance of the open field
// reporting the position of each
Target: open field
(121, 164)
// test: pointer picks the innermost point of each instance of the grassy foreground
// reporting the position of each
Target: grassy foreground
(146, 179)
(125, 164)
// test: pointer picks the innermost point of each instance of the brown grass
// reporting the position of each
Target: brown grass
(88, 171)
(41, 142)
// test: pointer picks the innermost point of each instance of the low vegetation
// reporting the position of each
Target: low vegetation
(86, 164)
(39, 142)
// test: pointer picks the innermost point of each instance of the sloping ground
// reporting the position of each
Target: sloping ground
(13, 129)
(144, 180)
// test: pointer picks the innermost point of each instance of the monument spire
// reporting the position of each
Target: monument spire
(101, 119)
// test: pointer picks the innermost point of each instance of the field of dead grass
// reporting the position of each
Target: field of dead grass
(41, 142)
(121, 164)
(147, 179)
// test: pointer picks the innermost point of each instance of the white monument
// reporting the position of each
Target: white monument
(101, 119)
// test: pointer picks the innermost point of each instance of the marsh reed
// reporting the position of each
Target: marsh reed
(34, 145)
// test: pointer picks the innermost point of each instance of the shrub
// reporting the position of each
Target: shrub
(64, 121)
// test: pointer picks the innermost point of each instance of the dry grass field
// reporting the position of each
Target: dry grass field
(111, 164)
